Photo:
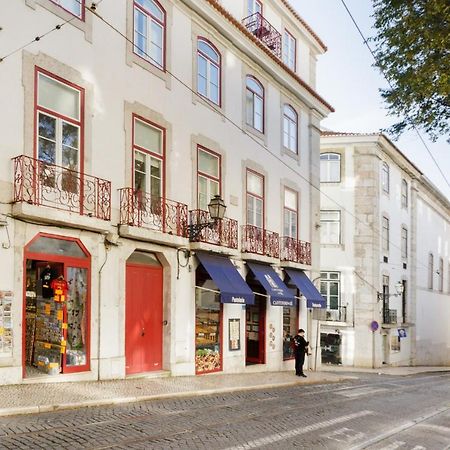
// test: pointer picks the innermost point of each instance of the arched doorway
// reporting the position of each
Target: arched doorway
(56, 313)
(143, 313)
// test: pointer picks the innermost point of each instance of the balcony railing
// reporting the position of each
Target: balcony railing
(224, 232)
(40, 183)
(337, 315)
(140, 209)
(389, 316)
(260, 241)
(296, 251)
(264, 31)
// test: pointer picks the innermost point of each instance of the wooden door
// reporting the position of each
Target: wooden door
(255, 331)
(143, 318)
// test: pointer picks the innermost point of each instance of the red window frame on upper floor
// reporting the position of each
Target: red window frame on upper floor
(252, 194)
(261, 96)
(214, 63)
(81, 2)
(286, 208)
(206, 175)
(291, 36)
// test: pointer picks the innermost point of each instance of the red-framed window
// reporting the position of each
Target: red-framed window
(209, 71)
(289, 50)
(59, 118)
(254, 103)
(74, 263)
(74, 7)
(254, 6)
(290, 214)
(148, 157)
(150, 32)
(208, 176)
(255, 199)
(290, 128)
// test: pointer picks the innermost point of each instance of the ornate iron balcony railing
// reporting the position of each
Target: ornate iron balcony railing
(40, 183)
(262, 29)
(224, 232)
(140, 209)
(260, 241)
(294, 250)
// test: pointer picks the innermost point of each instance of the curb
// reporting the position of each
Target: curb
(24, 410)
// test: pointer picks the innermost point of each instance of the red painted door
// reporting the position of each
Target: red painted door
(143, 318)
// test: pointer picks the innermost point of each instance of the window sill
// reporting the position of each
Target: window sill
(135, 59)
(254, 132)
(340, 246)
(289, 153)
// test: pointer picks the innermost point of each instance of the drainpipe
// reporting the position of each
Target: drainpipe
(107, 248)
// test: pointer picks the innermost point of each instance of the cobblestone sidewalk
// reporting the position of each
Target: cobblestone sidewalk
(44, 397)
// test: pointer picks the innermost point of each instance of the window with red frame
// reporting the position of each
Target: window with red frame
(290, 219)
(148, 158)
(255, 199)
(149, 31)
(255, 104)
(289, 50)
(290, 128)
(208, 71)
(208, 177)
(254, 6)
(59, 130)
(75, 7)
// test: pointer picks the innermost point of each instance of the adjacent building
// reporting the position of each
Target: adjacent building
(123, 121)
(385, 256)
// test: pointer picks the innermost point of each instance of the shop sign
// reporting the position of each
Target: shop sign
(234, 334)
(6, 344)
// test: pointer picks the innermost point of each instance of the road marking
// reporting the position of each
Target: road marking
(394, 445)
(357, 392)
(399, 429)
(298, 431)
(346, 435)
(419, 447)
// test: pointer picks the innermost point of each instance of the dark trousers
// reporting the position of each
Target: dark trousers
(299, 360)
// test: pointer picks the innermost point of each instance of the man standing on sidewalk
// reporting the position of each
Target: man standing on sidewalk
(300, 348)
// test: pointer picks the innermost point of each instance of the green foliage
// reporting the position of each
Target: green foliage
(413, 51)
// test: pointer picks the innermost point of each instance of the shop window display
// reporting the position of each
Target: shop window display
(207, 329)
(290, 327)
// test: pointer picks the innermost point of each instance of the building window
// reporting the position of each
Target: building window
(330, 288)
(254, 6)
(289, 50)
(404, 194)
(148, 158)
(404, 243)
(330, 168)
(430, 270)
(385, 234)
(255, 104)
(255, 199)
(330, 227)
(149, 31)
(59, 130)
(208, 71)
(385, 177)
(441, 275)
(290, 214)
(75, 7)
(208, 177)
(290, 128)
(290, 327)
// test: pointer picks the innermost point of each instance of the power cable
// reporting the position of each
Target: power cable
(366, 43)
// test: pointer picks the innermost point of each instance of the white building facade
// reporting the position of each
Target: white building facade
(112, 149)
(385, 265)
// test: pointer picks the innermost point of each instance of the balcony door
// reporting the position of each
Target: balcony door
(254, 6)
(59, 137)
(255, 199)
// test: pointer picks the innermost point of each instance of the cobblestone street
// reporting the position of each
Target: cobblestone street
(375, 411)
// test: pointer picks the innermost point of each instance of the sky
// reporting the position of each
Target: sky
(347, 79)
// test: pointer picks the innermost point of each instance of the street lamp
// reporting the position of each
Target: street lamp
(399, 288)
(216, 210)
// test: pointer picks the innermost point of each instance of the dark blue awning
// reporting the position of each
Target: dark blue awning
(314, 298)
(272, 283)
(232, 287)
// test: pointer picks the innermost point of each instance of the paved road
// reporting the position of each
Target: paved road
(374, 412)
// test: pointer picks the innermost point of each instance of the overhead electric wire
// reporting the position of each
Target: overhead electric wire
(366, 43)
(92, 10)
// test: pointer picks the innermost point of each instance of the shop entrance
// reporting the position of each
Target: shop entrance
(56, 306)
(143, 313)
(255, 326)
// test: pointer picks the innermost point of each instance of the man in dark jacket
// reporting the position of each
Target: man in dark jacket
(300, 348)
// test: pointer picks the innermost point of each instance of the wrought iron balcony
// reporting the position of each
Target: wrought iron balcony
(40, 183)
(262, 29)
(260, 241)
(140, 209)
(294, 250)
(389, 316)
(337, 315)
(224, 232)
